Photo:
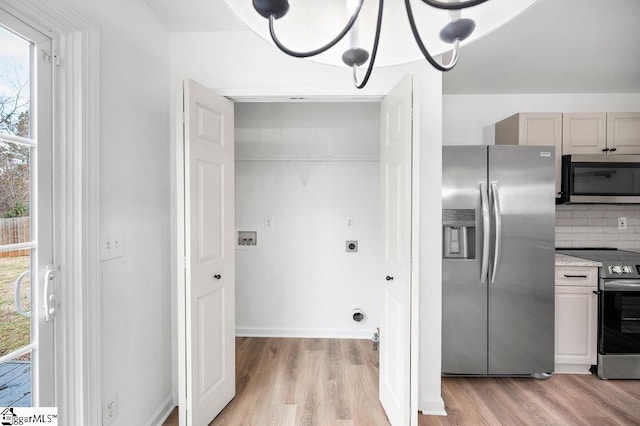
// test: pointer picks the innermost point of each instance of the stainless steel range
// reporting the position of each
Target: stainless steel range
(618, 312)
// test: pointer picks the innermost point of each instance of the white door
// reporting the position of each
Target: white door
(208, 313)
(27, 277)
(395, 332)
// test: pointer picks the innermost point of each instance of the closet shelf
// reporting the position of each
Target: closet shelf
(310, 159)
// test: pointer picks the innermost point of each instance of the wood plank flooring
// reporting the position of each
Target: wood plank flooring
(564, 399)
(335, 382)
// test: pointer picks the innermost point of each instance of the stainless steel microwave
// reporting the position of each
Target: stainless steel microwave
(601, 178)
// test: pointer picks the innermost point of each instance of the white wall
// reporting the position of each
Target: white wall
(469, 119)
(256, 73)
(427, 93)
(134, 198)
(299, 280)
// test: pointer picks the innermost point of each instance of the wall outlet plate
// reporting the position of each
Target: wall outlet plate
(622, 223)
(111, 245)
(351, 246)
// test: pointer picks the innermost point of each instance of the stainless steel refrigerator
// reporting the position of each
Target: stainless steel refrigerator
(498, 260)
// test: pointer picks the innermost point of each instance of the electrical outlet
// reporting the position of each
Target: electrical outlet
(622, 223)
(112, 245)
(110, 410)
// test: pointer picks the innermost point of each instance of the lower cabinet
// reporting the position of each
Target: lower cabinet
(576, 319)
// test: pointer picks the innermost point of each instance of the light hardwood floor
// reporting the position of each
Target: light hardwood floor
(335, 382)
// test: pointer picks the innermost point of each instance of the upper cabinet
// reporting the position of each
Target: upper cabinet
(533, 128)
(584, 133)
(601, 133)
(623, 132)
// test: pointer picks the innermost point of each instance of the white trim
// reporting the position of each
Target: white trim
(432, 407)
(308, 333)
(79, 378)
(18, 246)
(162, 413)
(76, 173)
(23, 350)
(415, 258)
(17, 139)
(180, 256)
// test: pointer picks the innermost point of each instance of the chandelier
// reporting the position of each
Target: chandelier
(457, 30)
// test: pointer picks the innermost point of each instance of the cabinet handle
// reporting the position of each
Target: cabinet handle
(613, 149)
(389, 278)
(575, 276)
(605, 149)
(596, 292)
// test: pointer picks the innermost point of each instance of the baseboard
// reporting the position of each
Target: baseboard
(161, 414)
(312, 333)
(572, 369)
(432, 407)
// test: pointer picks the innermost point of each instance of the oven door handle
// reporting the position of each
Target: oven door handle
(622, 285)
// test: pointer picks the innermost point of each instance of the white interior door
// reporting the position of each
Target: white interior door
(27, 278)
(208, 338)
(395, 332)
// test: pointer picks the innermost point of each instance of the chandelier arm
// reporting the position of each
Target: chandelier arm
(422, 47)
(319, 50)
(453, 6)
(374, 51)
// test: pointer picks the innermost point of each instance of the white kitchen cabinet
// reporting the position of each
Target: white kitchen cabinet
(623, 132)
(584, 133)
(576, 319)
(598, 133)
(533, 128)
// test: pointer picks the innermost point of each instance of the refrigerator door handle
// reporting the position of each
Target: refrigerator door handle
(498, 218)
(484, 202)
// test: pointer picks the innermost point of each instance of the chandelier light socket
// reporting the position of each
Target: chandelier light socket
(355, 56)
(266, 8)
(458, 29)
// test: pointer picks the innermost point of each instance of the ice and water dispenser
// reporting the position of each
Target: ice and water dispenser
(459, 233)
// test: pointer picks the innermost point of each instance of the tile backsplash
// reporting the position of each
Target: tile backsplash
(596, 225)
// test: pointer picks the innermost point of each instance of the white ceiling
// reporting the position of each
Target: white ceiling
(557, 46)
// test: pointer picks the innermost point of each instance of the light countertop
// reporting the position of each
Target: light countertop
(564, 260)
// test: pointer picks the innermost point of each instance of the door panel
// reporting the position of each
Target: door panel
(395, 344)
(521, 300)
(464, 294)
(209, 254)
(26, 209)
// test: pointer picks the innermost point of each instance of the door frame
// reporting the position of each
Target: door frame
(76, 148)
(419, 205)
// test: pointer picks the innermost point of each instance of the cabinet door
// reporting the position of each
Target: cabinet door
(576, 325)
(623, 132)
(533, 128)
(544, 129)
(584, 133)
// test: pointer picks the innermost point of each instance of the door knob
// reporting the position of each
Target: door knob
(217, 276)
(389, 278)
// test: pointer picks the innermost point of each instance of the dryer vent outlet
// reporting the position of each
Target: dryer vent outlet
(357, 315)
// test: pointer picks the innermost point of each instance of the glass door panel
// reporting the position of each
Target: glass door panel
(26, 343)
